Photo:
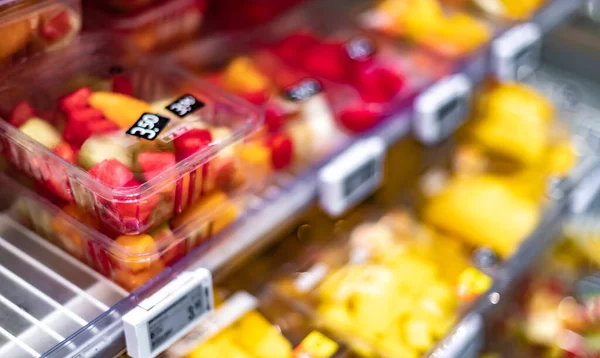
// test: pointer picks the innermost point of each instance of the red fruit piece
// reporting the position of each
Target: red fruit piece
(274, 117)
(22, 112)
(291, 47)
(56, 27)
(154, 164)
(375, 83)
(85, 114)
(257, 98)
(77, 132)
(135, 213)
(191, 142)
(77, 99)
(327, 60)
(112, 172)
(122, 84)
(282, 150)
(66, 152)
(359, 119)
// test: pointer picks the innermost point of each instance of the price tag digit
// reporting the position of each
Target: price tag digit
(516, 54)
(442, 109)
(167, 315)
(352, 176)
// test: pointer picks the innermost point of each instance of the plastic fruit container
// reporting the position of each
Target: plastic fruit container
(124, 6)
(159, 26)
(391, 287)
(130, 261)
(300, 118)
(131, 148)
(383, 79)
(247, 13)
(28, 26)
(448, 32)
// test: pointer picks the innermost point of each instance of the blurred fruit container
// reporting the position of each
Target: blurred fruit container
(505, 9)
(391, 287)
(300, 121)
(159, 26)
(128, 260)
(451, 33)
(245, 14)
(246, 326)
(129, 140)
(377, 80)
(30, 26)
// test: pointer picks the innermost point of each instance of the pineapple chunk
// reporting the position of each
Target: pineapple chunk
(41, 131)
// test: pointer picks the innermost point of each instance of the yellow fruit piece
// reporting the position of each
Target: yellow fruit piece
(257, 336)
(561, 159)
(484, 211)
(202, 209)
(118, 108)
(243, 76)
(15, 35)
(418, 335)
(421, 18)
(219, 346)
(257, 158)
(472, 283)
(317, 344)
(141, 252)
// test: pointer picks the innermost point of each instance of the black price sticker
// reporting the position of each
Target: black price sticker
(148, 126)
(360, 49)
(185, 105)
(303, 90)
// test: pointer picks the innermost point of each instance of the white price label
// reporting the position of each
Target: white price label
(167, 315)
(351, 176)
(442, 108)
(516, 54)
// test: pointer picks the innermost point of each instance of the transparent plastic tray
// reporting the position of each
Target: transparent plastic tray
(159, 26)
(31, 26)
(127, 177)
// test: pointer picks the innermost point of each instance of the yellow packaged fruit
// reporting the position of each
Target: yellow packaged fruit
(484, 211)
(242, 76)
(259, 337)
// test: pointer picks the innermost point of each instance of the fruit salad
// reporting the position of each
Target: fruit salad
(300, 121)
(129, 260)
(494, 194)
(132, 148)
(154, 25)
(29, 26)
(392, 289)
(426, 22)
(236, 329)
(382, 80)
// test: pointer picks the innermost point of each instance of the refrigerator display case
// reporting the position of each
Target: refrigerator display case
(281, 204)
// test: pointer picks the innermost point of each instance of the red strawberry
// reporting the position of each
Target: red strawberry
(122, 84)
(359, 119)
(85, 114)
(66, 152)
(112, 172)
(282, 150)
(56, 27)
(77, 132)
(154, 164)
(291, 47)
(22, 112)
(274, 117)
(77, 99)
(375, 83)
(191, 142)
(327, 60)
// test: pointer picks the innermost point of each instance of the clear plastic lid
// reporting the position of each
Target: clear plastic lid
(31, 26)
(129, 139)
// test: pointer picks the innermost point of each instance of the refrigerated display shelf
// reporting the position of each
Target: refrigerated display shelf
(98, 331)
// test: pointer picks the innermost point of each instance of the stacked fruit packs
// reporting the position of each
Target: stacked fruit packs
(140, 151)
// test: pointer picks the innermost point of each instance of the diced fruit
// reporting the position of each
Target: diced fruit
(242, 76)
(85, 114)
(122, 84)
(134, 253)
(131, 281)
(77, 99)
(259, 337)
(77, 132)
(258, 98)
(99, 148)
(376, 83)
(154, 164)
(41, 131)
(112, 172)
(290, 48)
(191, 142)
(200, 209)
(282, 150)
(327, 60)
(66, 152)
(135, 212)
(274, 117)
(56, 27)
(121, 109)
(15, 35)
(359, 119)
(22, 112)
